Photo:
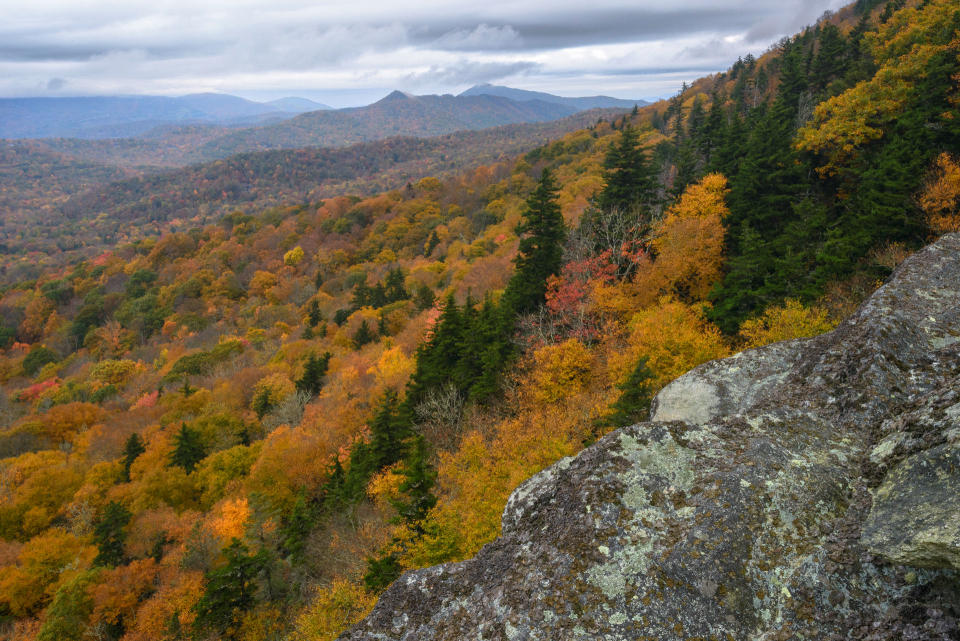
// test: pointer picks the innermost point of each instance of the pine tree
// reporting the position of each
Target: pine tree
(133, 448)
(394, 286)
(416, 491)
(297, 526)
(314, 371)
(313, 315)
(109, 534)
(633, 405)
(388, 431)
(188, 449)
(363, 336)
(424, 298)
(542, 235)
(629, 179)
(231, 590)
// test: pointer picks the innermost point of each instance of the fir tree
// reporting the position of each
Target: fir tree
(540, 256)
(416, 491)
(313, 315)
(188, 449)
(314, 371)
(633, 405)
(395, 289)
(629, 179)
(381, 572)
(133, 448)
(297, 526)
(388, 431)
(431, 244)
(424, 297)
(109, 534)
(231, 589)
(363, 336)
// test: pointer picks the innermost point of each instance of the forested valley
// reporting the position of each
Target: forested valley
(248, 428)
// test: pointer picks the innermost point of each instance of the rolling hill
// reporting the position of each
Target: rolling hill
(522, 95)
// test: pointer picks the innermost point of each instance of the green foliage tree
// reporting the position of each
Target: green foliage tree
(37, 358)
(67, 617)
(633, 405)
(133, 448)
(542, 234)
(629, 179)
(188, 448)
(314, 371)
(364, 335)
(231, 590)
(109, 534)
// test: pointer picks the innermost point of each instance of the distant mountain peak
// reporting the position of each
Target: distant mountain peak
(523, 95)
(396, 94)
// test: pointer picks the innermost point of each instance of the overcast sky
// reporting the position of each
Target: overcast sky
(348, 53)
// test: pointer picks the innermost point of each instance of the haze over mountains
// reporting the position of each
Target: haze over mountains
(310, 123)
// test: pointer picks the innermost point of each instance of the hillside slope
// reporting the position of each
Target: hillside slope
(582, 103)
(398, 114)
(743, 508)
(247, 425)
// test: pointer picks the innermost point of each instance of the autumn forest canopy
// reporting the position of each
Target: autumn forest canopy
(246, 424)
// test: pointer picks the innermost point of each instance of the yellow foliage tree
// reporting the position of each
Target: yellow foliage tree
(689, 243)
(674, 337)
(784, 322)
(902, 47)
(334, 609)
(560, 371)
(940, 198)
(293, 257)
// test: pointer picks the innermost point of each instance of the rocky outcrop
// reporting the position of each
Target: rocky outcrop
(806, 490)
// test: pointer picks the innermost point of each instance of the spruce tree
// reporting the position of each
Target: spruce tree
(109, 534)
(419, 479)
(629, 180)
(633, 405)
(363, 336)
(313, 373)
(133, 448)
(313, 315)
(188, 449)
(394, 287)
(542, 235)
(231, 589)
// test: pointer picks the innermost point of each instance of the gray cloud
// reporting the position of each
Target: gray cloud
(465, 71)
(632, 48)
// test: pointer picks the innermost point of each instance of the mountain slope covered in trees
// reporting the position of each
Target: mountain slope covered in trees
(246, 429)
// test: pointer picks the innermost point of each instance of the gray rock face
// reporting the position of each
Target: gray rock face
(806, 490)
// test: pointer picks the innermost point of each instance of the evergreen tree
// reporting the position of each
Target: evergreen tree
(231, 590)
(133, 448)
(314, 371)
(388, 431)
(416, 491)
(633, 405)
(438, 356)
(381, 572)
(188, 449)
(363, 336)
(540, 256)
(629, 180)
(431, 244)
(313, 315)
(109, 534)
(394, 286)
(424, 298)
(297, 526)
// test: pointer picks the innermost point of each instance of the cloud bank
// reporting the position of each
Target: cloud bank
(346, 53)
